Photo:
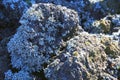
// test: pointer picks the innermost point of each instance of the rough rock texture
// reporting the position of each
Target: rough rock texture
(81, 6)
(84, 58)
(21, 75)
(99, 10)
(44, 28)
(16, 7)
(45, 39)
(108, 25)
(88, 10)
(78, 5)
(102, 26)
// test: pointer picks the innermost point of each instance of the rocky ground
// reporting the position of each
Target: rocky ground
(59, 40)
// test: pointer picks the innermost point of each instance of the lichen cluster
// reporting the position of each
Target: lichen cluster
(60, 39)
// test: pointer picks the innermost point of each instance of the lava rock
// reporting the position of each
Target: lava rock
(44, 28)
(83, 58)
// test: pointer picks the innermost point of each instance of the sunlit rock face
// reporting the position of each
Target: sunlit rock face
(44, 27)
(86, 57)
(50, 45)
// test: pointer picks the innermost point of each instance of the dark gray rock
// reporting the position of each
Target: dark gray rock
(11, 11)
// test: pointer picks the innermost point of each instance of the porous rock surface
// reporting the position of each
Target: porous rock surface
(44, 28)
(109, 24)
(21, 75)
(50, 40)
(85, 58)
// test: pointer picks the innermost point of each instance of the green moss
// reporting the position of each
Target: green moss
(106, 41)
(87, 43)
(75, 53)
(111, 47)
(111, 50)
(105, 26)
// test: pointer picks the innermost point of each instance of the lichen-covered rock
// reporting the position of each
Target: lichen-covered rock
(81, 6)
(115, 22)
(44, 28)
(112, 48)
(102, 26)
(113, 67)
(21, 75)
(77, 5)
(98, 9)
(83, 58)
(68, 69)
(23, 52)
(44, 39)
(110, 24)
(105, 26)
